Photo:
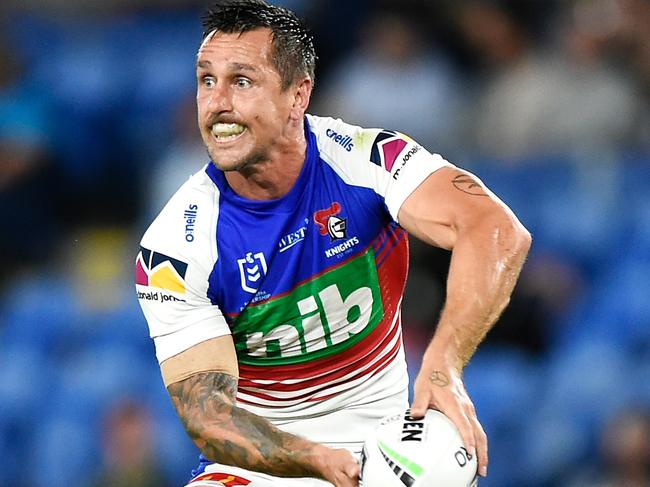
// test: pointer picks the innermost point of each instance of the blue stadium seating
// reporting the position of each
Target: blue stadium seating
(63, 366)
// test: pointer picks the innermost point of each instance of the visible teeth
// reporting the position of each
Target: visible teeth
(224, 130)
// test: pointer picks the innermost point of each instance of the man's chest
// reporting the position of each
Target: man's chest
(268, 255)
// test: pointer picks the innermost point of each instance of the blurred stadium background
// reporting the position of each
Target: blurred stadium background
(547, 101)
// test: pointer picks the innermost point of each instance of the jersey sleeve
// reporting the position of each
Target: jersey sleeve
(176, 256)
(389, 162)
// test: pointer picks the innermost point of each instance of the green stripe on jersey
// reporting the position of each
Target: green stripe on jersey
(319, 318)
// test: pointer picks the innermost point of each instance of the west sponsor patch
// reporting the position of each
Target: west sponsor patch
(386, 148)
(160, 271)
(293, 238)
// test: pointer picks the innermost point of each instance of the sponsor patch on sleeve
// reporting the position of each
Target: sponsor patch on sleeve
(388, 145)
(388, 151)
(159, 271)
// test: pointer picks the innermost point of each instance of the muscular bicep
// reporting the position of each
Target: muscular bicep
(449, 200)
(214, 355)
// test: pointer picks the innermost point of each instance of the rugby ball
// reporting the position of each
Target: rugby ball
(427, 452)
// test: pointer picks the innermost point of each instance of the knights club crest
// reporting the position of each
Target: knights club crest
(330, 224)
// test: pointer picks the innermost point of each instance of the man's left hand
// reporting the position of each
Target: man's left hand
(443, 389)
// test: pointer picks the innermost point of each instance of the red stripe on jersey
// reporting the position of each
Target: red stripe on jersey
(391, 274)
(310, 397)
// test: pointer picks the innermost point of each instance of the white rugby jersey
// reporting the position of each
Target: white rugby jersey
(309, 285)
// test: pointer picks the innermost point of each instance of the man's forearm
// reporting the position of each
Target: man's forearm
(231, 435)
(485, 264)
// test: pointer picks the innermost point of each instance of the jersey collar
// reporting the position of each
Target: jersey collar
(288, 202)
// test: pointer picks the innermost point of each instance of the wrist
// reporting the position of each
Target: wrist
(443, 354)
(319, 461)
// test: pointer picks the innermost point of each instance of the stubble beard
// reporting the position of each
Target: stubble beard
(243, 164)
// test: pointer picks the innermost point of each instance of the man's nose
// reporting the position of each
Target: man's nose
(220, 99)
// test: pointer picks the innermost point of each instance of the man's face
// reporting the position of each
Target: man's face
(242, 110)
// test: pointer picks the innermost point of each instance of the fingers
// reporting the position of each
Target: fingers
(464, 425)
(479, 442)
(350, 477)
(481, 447)
(473, 435)
(420, 405)
(353, 470)
(345, 469)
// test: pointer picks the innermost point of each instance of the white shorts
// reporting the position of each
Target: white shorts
(217, 475)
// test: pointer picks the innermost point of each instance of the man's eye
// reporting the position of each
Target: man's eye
(209, 82)
(242, 82)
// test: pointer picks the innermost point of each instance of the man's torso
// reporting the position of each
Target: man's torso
(309, 285)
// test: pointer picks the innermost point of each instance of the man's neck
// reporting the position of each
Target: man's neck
(272, 178)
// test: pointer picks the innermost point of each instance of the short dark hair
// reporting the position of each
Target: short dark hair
(293, 53)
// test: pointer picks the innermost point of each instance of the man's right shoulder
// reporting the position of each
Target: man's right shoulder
(185, 226)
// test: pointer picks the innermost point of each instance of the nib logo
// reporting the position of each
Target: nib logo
(252, 268)
(330, 224)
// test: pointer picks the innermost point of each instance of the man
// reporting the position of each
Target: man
(272, 281)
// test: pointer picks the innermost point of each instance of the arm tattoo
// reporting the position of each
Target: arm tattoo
(469, 185)
(228, 434)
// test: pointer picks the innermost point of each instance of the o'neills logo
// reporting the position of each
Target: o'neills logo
(344, 141)
(190, 219)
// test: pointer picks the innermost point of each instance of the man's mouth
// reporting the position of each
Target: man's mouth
(225, 132)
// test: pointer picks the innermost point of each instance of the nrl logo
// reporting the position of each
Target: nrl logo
(252, 269)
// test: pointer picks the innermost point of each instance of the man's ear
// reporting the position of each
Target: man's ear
(302, 95)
